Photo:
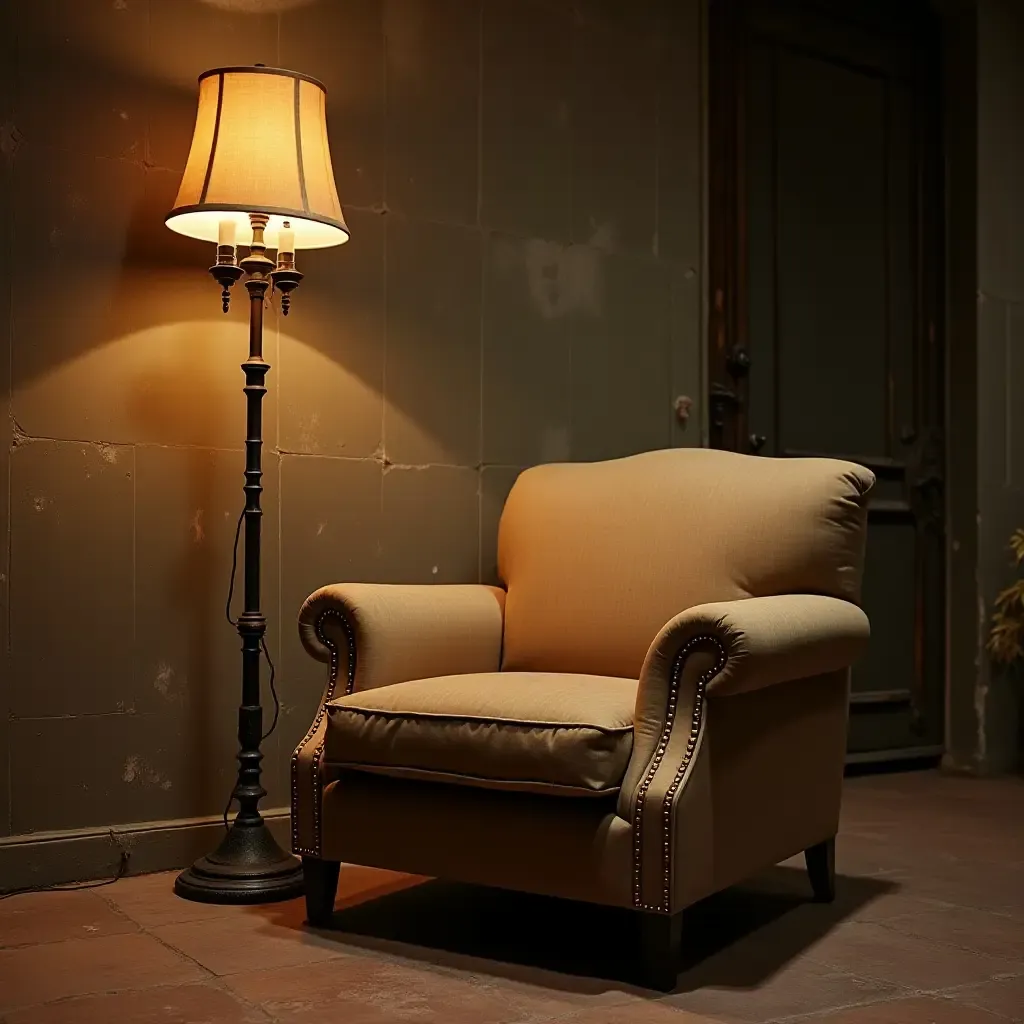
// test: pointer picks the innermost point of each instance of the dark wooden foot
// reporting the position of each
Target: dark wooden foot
(661, 939)
(821, 868)
(321, 880)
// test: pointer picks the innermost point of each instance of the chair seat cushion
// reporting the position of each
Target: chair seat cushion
(542, 732)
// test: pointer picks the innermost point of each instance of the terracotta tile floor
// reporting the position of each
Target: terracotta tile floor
(928, 929)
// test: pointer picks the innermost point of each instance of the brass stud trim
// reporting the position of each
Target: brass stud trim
(696, 721)
(318, 753)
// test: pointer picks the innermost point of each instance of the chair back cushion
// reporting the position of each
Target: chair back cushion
(597, 557)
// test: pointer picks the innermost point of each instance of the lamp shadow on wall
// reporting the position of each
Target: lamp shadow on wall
(132, 349)
(149, 360)
(193, 585)
(184, 392)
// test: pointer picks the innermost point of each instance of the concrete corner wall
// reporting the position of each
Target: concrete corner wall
(1000, 353)
(986, 381)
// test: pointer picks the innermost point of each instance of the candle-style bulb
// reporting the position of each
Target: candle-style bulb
(226, 233)
(286, 239)
(285, 276)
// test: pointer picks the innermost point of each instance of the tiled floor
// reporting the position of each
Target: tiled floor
(928, 929)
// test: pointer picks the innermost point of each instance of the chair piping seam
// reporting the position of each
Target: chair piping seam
(429, 774)
(318, 753)
(664, 906)
(415, 716)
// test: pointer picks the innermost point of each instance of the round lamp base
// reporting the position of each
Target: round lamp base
(248, 867)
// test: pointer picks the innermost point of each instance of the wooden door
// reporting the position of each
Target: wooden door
(825, 325)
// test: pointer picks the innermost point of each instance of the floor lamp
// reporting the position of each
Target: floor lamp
(258, 173)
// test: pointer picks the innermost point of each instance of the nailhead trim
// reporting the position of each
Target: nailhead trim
(659, 754)
(673, 698)
(318, 753)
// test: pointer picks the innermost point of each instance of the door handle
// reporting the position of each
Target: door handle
(722, 401)
(738, 362)
(757, 442)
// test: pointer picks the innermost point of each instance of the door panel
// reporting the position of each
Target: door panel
(824, 328)
(830, 183)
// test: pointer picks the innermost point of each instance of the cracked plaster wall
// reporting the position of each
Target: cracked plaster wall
(522, 179)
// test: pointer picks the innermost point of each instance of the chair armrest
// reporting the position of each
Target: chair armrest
(376, 634)
(768, 640)
(726, 648)
(714, 650)
(390, 633)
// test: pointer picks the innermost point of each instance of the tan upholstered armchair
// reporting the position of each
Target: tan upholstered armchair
(653, 709)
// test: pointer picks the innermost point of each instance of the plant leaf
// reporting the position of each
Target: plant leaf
(1017, 545)
(1006, 632)
(1013, 594)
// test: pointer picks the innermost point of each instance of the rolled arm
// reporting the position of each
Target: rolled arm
(376, 634)
(739, 646)
(717, 649)
(398, 632)
(766, 640)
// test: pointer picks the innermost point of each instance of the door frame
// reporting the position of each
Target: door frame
(725, 227)
(726, 388)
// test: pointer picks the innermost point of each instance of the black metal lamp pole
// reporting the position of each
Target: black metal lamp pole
(249, 866)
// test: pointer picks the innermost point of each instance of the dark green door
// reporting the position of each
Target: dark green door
(825, 327)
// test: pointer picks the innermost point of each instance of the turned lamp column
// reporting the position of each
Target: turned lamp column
(249, 866)
(260, 162)
(261, 274)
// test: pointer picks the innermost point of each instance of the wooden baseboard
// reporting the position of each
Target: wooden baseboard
(903, 755)
(54, 858)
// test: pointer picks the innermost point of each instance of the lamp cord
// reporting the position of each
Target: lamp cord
(263, 646)
(124, 856)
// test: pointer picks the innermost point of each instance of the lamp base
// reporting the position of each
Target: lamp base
(248, 867)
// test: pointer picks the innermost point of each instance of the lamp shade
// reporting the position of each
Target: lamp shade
(260, 146)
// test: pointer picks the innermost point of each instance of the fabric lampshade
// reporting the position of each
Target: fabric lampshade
(260, 146)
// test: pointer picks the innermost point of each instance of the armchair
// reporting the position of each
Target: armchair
(652, 709)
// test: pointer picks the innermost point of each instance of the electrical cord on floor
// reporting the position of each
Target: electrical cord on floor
(263, 647)
(122, 870)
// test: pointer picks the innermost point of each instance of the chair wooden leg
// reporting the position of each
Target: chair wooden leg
(321, 878)
(821, 869)
(661, 938)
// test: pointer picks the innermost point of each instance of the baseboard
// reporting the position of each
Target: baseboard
(54, 858)
(889, 762)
